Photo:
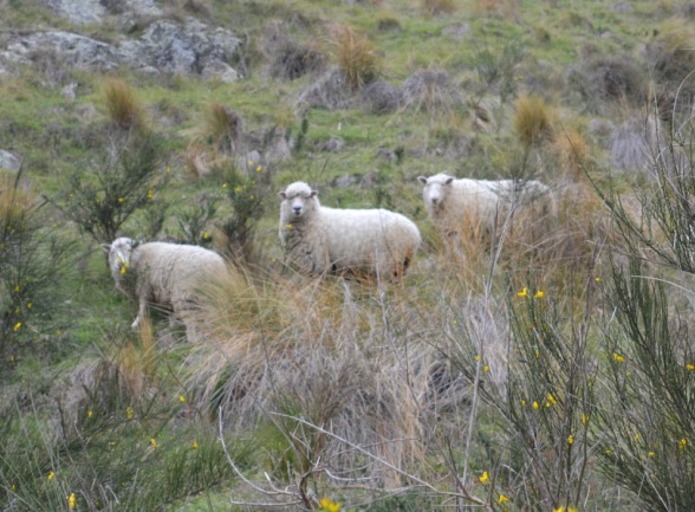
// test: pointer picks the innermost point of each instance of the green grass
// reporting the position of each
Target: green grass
(292, 337)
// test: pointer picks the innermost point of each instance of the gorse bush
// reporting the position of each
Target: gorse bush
(102, 199)
(32, 261)
(647, 417)
(247, 191)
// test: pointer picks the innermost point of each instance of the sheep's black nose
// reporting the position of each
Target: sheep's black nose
(297, 209)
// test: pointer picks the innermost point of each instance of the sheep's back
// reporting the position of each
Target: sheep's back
(358, 238)
(173, 272)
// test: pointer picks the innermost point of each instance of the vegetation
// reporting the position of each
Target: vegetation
(547, 366)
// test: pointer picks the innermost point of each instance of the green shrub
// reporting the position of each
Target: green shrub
(100, 199)
(32, 261)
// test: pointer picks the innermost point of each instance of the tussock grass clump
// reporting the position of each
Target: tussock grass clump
(316, 364)
(616, 79)
(122, 104)
(431, 91)
(532, 120)
(224, 126)
(357, 56)
(438, 7)
(293, 61)
(672, 57)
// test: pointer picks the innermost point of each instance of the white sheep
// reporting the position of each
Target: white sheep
(163, 274)
(374, 242)
(479, 206)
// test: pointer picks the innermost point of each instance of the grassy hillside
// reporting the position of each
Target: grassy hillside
(549, 367)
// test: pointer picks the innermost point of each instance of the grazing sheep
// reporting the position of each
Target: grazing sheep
(317, 239)
(477, 205)
(165, 274)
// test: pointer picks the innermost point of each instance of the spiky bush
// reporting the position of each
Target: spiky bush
(101, 199)
(247, 191)
(116, 447)
(32, 261)
(646, 420)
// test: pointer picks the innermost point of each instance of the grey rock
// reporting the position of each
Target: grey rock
(82, 12)
(188, 48)
(72, 49)
(10, 161)
(165, 47)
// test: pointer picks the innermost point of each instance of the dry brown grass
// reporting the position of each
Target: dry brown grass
(342, 356)
(16, 202)
(122, 104)
(572, 152)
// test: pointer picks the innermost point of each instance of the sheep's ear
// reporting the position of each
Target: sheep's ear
(422, 179)
(135, 243)
(282, 194)
(449, 180)
(106, 248)
(314, 193)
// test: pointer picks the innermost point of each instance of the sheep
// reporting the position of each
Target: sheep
(165, 274)
(375, 243)
(477, 205)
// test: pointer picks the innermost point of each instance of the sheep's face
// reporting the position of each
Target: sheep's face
(298, 201)
(436, 190)
(119, 255)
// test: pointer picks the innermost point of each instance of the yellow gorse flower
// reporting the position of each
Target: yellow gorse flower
(129, 414)
(17, 326)
(550, 400)
(683, 444)
(584, 419)
(570, 440)
(484, 478)
(486, 368)
(536, 405)
(51, 476)
(651, 455)
(153, 443)
(690, 367)
(195, 445)
(72, 501)
(502, 499)
(329, 505)
(569, 508)
(618, 358)
(523, 293)
(182, 399)
(539, 294)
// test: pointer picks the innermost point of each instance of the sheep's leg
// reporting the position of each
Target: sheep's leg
(142, 312)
